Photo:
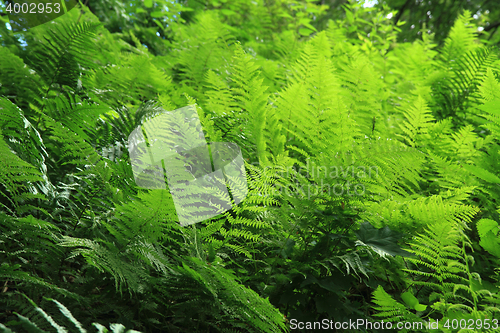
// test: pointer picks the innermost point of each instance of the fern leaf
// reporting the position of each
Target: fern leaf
(419, 120)
(16, 176)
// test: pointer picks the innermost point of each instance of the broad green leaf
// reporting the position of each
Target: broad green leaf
(148, 3)
(304, 20)
(409, 299)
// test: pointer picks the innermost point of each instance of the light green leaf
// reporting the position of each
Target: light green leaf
(420, 307)
(409, 299)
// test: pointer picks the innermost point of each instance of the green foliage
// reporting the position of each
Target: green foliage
(29, 326)
(371, 167)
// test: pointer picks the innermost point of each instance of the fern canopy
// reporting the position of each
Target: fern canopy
(247, 166)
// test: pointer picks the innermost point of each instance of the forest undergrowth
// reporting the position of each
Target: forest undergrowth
(370, 188)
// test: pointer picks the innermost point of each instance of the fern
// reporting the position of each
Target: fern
(217, 288)
(67, 51)
(78, 116)
(314, 91)
(440, 255)
(461, 39)
(17, 178)
(390, 309)
(135, 240)
(19, 84)
(207, 48)
(251, 101)
(488, 230)
(26, 141)
(386, 167)
(85, 216)
(241, 111)
(135, 77)
(419, 121)
(364, 89)
(490, 99)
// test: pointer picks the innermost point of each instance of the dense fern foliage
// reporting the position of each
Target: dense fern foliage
(369, 190)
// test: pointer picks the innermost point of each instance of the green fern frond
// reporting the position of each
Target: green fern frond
(461, 90)
(311, 109)
(363, 91)
(13, 273)
(17, 82)
(237, 302)
(251, 101)
(419, 120)
(28, 324)
(17, 178)
(489, 92)
(206, 46)
(463, 145)
(387, 167)
(151, 215)
(25, 140)
(461, 39)
(134, 78)
(106, 258)
(438, 249)
(489, 88)
(78, 116)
